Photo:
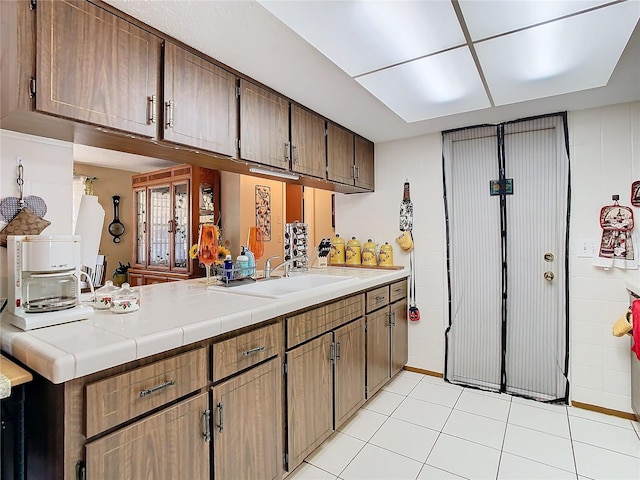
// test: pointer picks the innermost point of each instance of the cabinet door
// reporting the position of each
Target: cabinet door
(309, 397)
(364, 163)
(200, 103)
(159, 226)
(339, 154)
(180, 226)
(264, 126)
(140, 226)
(95, 67)
(399, 336)
(378, 354)
(349, 392)
(308, 143)
(247, 427)
(168, 445)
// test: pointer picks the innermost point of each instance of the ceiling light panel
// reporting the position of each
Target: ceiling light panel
(568, 55)
(362, 36)
(435, 86)
(489, 18)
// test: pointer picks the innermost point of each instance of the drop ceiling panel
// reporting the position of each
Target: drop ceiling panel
(360, 37)
(435, 86)
(557, 57)
(489, 18)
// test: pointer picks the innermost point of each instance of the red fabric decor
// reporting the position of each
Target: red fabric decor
(635, 312)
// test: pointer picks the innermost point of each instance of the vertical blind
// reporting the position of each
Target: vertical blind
(508, 321)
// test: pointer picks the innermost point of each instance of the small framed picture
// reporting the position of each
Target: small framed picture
(635, 193)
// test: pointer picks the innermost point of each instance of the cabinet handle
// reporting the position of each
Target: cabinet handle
(170, 226)
(332, 352)
(338, 351)
(287, 151)
(392, 319)
(353, 173)
(295, 154)
(252, 351)
(220, 417)
(356, 168)
(157, 388)
(152, 108)
(379, 298)
(169, 123)
(206, 430)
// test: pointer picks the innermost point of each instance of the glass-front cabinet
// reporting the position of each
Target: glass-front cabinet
(169, 205)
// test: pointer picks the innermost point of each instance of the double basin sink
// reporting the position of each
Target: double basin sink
(284, 286)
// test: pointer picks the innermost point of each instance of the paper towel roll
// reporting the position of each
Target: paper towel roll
(89, 226)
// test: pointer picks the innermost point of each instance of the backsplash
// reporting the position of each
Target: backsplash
(48, 173)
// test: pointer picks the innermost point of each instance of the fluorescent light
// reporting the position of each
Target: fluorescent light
(274, 173)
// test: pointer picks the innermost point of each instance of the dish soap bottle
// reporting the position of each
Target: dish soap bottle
(228, 268)
(242, 263)
(252, 262)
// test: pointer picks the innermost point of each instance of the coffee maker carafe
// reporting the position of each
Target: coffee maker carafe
(43, 274)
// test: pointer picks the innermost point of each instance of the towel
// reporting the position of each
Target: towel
(5, 386)
(635, 311)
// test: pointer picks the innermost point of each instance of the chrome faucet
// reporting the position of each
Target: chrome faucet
(286, 265)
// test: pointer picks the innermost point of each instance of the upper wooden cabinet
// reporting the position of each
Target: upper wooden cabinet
(364, 163)
(95, 67)
(308, 143)
(200, 103)
(340, 167)
(349, 158)
(264, 132)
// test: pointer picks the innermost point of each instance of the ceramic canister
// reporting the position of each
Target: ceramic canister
(369, 253)
(353, 252)
(386, 255)
(336, 254)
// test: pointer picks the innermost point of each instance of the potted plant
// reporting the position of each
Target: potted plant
(120, 273)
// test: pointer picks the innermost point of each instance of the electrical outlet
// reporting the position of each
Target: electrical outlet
(587, 248)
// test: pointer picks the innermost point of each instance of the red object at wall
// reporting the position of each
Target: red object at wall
(635, 312)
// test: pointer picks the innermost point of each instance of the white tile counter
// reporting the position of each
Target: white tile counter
(171, 315)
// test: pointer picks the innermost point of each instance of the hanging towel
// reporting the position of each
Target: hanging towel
(635, 312)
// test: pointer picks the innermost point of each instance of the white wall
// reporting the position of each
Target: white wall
(605, 159)
(376, 216)
(48, 173)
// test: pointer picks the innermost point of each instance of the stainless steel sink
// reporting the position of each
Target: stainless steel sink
(283, 286)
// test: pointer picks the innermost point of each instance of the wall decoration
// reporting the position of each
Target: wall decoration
(635, 193)
(616, 248)
(263, 211)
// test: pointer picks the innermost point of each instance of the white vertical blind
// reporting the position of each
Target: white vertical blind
(536, 159)
(534, 338)
(474, 347)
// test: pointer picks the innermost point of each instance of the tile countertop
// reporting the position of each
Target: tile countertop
(171, 315)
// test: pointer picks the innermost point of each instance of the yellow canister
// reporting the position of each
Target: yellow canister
(353, 252)
(336, 255)
(386, 255)
(369, 253)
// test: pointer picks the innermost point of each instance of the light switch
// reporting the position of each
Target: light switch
(587, 248)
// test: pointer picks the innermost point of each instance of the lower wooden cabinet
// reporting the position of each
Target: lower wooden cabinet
(168, 445)
(248, 424)
(325, 386)
(309, 397)
(350, 362)
(399, 336)
(378, 353)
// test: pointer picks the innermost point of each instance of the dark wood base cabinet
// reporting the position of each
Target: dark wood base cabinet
(248, 404)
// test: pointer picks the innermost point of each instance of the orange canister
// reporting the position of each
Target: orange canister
(336, 254)
(386, 255)
(353, 252)
(369, 253)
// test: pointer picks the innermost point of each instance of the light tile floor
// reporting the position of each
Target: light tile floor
(419, 427)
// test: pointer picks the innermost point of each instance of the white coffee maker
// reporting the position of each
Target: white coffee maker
(44, 280)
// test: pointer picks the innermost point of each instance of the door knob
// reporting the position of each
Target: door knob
(549, 276)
